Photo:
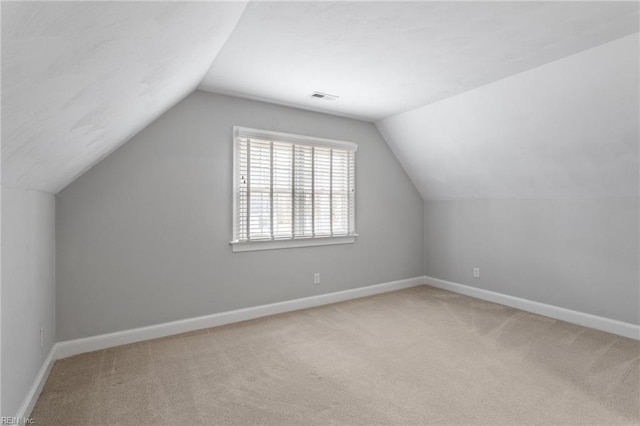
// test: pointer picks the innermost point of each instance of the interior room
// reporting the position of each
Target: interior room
(296, 213)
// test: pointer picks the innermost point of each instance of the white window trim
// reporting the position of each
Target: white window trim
(268, 244)
(247, 132)
(254, 245)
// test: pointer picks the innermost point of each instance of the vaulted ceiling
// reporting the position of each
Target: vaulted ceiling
(563, 130)
(80, 78)
(384, 58)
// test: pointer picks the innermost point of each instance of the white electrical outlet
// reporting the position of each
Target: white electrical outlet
(476, 272)
(316, 278)
(42, 337)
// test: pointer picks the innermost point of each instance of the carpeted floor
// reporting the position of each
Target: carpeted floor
(415, 356)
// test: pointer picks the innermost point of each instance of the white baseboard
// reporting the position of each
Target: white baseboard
(78, 346)
(34, 392)
(587, 320)
(89, 344)
(74, 347)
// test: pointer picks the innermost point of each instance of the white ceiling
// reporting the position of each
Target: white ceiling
(563, 130)
(384, 58)
(80, 78)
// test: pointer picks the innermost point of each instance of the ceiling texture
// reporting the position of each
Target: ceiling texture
(80, 78)
(384, 58)
(569, 129)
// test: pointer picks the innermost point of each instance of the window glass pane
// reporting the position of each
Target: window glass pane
(321, 192)
(340, 192)
(352, 192)
(287, 190)
(259, 189)
(241, 196)
(282, 190)
(303, 214)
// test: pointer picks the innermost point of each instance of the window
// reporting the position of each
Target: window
(292, 191)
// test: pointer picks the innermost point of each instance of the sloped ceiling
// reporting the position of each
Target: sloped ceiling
(80, 78)
(384, 58)
(564, 130)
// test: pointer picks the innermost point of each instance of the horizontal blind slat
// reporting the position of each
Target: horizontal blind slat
(290, 185)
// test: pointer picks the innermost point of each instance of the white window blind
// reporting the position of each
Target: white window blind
(290, 187)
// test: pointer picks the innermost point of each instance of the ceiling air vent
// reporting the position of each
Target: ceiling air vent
(325, 96)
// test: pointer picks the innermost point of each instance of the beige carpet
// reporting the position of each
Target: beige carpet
(416, 356)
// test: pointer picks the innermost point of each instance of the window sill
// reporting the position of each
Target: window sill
(237, 246)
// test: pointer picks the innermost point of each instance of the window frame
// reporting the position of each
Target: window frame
(281, 243)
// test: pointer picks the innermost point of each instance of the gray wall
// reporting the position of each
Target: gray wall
(143, 237)
(28, 290)
(540, 171)
(580, 254)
